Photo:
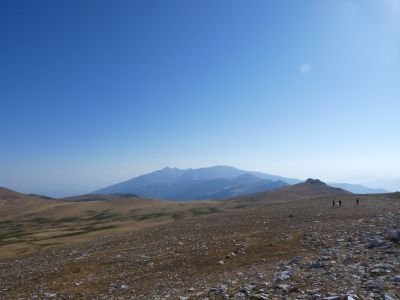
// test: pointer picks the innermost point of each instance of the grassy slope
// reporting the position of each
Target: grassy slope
(29, 223)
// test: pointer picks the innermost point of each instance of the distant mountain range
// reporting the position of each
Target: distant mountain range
(216, 182)
(193, 184)
(358, 188)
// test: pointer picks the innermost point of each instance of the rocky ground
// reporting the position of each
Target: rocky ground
(263, 250)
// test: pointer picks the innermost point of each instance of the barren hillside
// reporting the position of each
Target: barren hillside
(287, 244)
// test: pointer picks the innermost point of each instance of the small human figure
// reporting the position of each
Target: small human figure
(340, 203)
(358, 201)
(333, 203)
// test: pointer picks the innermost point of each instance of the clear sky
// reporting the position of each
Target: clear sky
(95, 92)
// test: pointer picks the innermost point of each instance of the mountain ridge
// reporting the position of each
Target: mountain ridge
(183, 184)
(193, 184)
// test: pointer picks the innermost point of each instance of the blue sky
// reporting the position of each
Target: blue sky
(94, 92)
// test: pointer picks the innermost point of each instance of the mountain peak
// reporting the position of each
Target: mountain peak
(314, 181)
(169, 168)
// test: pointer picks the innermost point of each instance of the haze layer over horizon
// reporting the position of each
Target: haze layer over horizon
(94, 92)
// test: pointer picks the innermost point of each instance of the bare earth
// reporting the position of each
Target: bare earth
(268, 246)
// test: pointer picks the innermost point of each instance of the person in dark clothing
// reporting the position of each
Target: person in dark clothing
(340, 203)
(333, 203)
(358, 201)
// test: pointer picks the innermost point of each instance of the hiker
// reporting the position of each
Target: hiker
(333, 203)
(358, 201)
(340, 203)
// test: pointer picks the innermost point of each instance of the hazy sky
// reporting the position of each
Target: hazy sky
(94, 92)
